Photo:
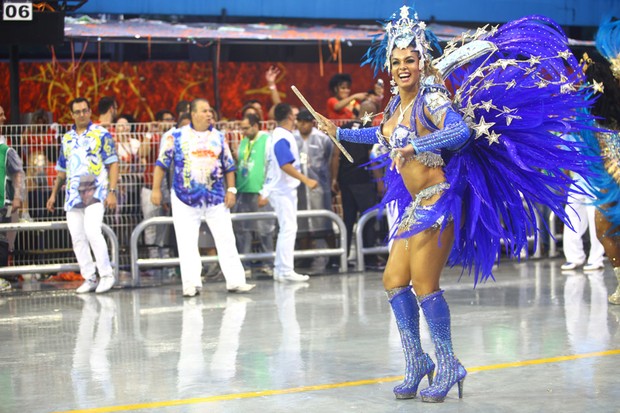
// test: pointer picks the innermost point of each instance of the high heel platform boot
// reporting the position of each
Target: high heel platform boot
(449, 369)
(417, 363)
(615, 297)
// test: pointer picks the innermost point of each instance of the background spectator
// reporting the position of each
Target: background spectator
(315, 153)
(342, 104)
(107, 108)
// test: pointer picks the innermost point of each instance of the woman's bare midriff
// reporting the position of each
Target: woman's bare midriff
(417, 177)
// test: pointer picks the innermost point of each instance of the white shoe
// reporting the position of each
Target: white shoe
(593, 267)
(190, 292)
(567, 266)
(265, 271)
(88, 286)
(105, 284)
(292, 277)
(243, 288)
(4, 285)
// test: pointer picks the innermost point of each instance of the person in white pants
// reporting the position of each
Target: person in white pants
(581, 214)
(89, 164)
(280, 190)
(203, 185)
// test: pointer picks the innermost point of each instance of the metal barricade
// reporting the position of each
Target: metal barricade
(538, 245)
(554, 237)
(38, 146)
(49, 268)
(246, 216)
(360, 250)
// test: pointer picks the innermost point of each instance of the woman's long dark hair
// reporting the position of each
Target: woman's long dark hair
(607, 106)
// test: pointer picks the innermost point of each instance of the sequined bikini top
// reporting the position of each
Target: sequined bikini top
(402, 134)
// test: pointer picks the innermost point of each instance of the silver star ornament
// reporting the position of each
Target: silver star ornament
(482, 128)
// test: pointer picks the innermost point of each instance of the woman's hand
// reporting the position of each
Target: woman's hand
(400, 156)
(360, 97)
(326, 126)
(271, 75)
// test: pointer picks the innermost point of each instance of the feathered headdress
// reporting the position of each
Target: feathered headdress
(608, 44)
(401, 32)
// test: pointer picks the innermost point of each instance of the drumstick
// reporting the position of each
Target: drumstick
(320, 121)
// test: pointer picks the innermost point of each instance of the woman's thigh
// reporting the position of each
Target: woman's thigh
(429, 251)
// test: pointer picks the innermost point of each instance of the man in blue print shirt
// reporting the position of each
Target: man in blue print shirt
(203, 185)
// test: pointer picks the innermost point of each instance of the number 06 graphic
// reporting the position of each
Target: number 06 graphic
(17, 11)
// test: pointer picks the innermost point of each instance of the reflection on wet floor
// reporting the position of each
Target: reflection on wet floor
(538, 338)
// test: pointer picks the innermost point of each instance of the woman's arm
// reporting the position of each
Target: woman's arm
(364, 135)
(271, 76)
(453, 135)
(344, 102)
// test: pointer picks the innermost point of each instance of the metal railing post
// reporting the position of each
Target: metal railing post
(136, 262)
(538, 239)
(359, 240)
(555, 237)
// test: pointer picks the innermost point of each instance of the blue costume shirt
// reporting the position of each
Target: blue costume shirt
(201, 159)
(83, 157)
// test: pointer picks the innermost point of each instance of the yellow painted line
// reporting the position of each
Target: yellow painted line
(545, 361)
(249, 395)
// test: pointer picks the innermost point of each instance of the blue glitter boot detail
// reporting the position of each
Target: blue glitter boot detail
(449, 369)
(417, 363)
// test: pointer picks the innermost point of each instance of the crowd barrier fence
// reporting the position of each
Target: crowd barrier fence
(246, 216)
(137, 146)
(555, 236)
(60, 267)
(361, 250)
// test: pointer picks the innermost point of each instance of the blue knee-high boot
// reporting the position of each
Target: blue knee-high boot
(417, 363)
(449, 369)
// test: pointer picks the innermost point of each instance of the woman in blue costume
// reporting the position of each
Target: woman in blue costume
(467, 170)
(604, 73)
